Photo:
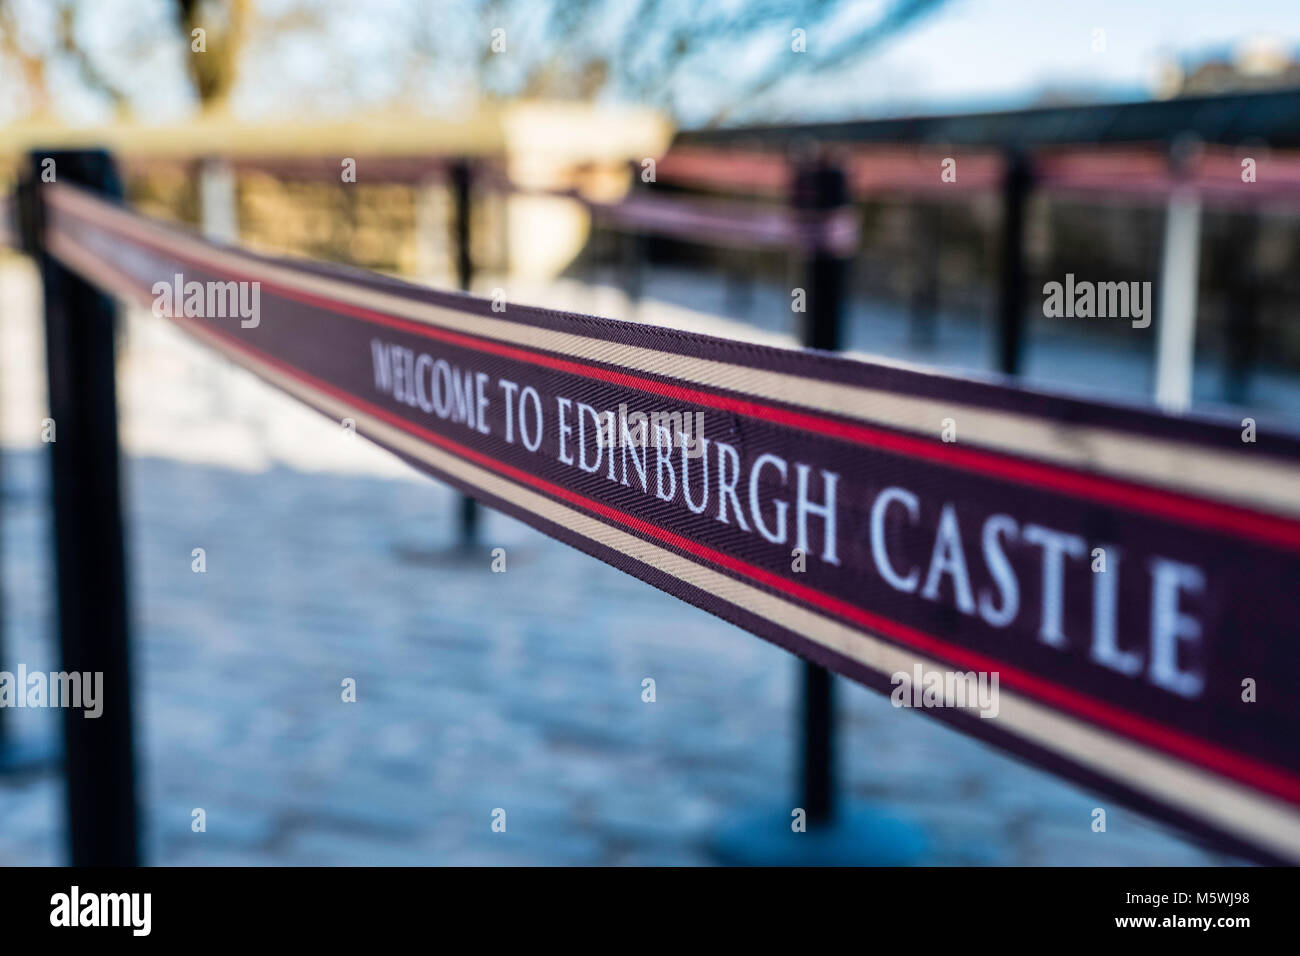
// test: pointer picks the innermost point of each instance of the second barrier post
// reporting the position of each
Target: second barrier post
(460, 187)
(830, 831)
(90, 558)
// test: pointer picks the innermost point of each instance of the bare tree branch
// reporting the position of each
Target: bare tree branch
(31, 66)
(900, 16)
(91, 75)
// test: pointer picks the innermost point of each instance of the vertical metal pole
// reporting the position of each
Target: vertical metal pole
(460, 183)
(1011, 308)
(928, 225)
(817, 770)
(89, 553)
(218, 200)
(632, 246)
(632, 251)
(1176, 323)
(1242, 332)
(837, 833)
(820, 188)
(742, 265)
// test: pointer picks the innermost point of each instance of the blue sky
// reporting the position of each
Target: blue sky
(990, 53)
(971, 54)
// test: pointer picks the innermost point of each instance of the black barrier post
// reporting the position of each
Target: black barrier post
(460, 183)
(1016, 183)
(632, 246)
(1242, 328)
(632, 250)
(833, 834)
(927, 220)
(819, 190)
(741, 266)
(90, 569)
(818, 767)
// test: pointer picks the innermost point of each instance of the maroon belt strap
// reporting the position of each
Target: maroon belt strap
(1107, 591)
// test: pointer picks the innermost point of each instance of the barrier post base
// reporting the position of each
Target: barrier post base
(858, 836)
(460, 549)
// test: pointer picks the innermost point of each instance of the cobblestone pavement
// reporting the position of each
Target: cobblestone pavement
(327, 559)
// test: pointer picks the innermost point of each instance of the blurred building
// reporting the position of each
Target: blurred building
(1256, 64)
